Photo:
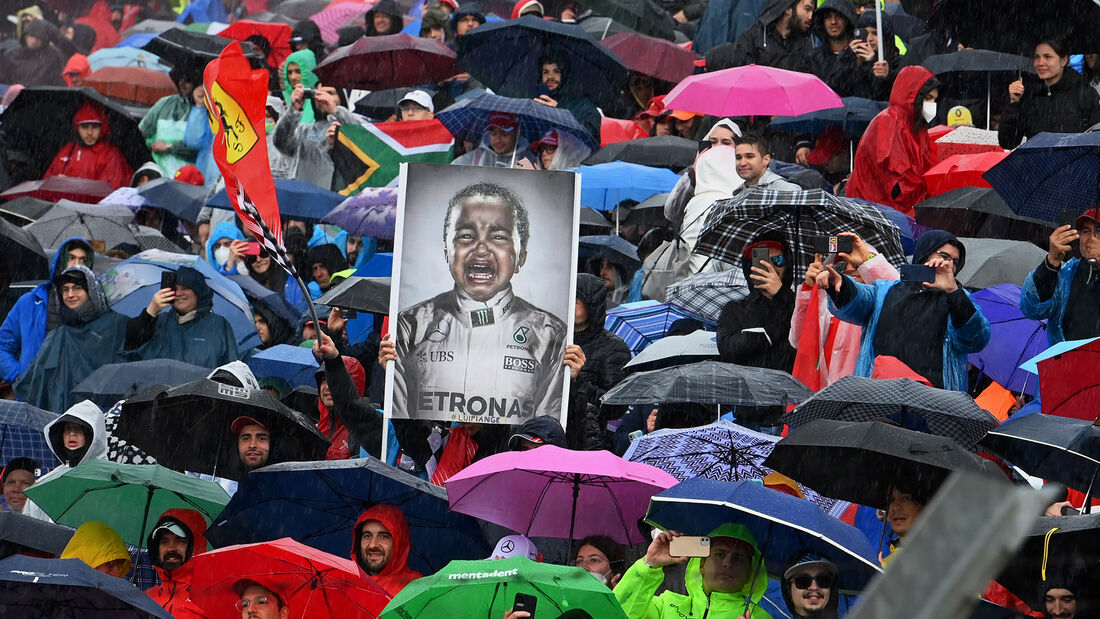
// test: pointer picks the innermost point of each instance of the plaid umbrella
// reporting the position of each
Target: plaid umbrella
(642, 323)
(800, 216)
(709, 382)
(915, 406)
(21, 433)
(468, 121)
(705, 294)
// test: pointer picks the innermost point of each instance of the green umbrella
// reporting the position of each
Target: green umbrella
(127, 497)
(489, 588)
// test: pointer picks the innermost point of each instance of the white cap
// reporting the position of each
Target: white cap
(420, 98)
(514, 546)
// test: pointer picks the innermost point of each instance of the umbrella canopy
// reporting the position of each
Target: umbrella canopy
(21, 253)
(21, 434)
(130, 285)
(33, 587)
(364, 294)
(990, 262)
(179, 47)
(187, 427)
(904, 401)
(389, 61)
(469, 586)
(129, 498)
(468, 120)
(1055, 546)
(961, 171)
(643, 16)
(666, 151)
(560, 493)
(614, 249)
(58, 188)
(861, 462)
(605, 185)
(300, 9)
(1070, 21)
(644, 322)
(335, 16)
(752, 90)
(853, 118)
(98, 222)
(276, 34)
(590, 217)
(1049, 173)
(115, 381)
(150, 26)
(297, 200)
(21, 534)
(310, 582)
(371, 212)
(966, 141)
(505, 57)
(676, 350)
(276, 301)
(658, 58)
(1056, 448)
(978, 61)
(24, 210)
(1013, 339)
(908, 227)
(126, 57)
(1068, 386)
(294, 364)
(709, 382)
(800, 216)
(135, 84)
(980, 213)
(705, 294)
(318, 503)
(783, 525)
(183, 200)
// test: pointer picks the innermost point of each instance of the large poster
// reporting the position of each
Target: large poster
(482, 297)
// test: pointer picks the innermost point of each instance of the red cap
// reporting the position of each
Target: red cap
(451, 3)
(1092, 213)
(549, 139)
(503, 120)
(240, 422)
(190, 174)
(653, 109)
(830, 141)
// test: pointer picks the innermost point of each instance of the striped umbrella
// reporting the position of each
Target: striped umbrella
(644, 322)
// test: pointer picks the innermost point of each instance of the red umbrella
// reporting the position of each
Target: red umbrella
(655, 57)
(137, 84)
(1068, 384)
(615, 130)
(278, 35)
(310, 582)
(391, 61)
(961, 171)
(58, 188)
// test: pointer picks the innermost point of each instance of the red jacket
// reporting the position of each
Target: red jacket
(101, 161)
(396, 574)
(174, 592)
(339, 448)
(892, 158)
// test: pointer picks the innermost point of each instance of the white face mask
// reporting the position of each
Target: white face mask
(600, 577)
(928, 111)
(221, 255)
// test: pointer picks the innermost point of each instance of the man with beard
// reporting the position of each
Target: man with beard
(809, 587)
(780, 38)
(178, 536)
(380, 547)
(253, 443)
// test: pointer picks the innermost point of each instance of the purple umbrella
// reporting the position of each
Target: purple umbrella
(371, 213)
(555, 492)
(1014, 338)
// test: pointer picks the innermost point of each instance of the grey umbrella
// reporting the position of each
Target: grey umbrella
(709, 382)
(95, 222)
(997, 261)
(19, 533)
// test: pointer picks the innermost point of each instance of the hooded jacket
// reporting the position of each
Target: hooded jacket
(853, 79)
(605, 353)
(824, 62)
(397, 573)
(753, 331)
(305, 144)
(34, 67)
(224, 230)
(174, 592)
(101, 161)
(572, 98)
(331, 423)
(310, 32)
(635, 592)
(763, 45)
(306, 61)
(166, 122)
(1071, 105)
(484, 155)
(280, 329)
(387, 7)
(24, 328)
(352, 412)
(333, 260)
(715, 179)
(1052, 308)
(95, 543)
(895, 151)
(89, 417)
(78, 63)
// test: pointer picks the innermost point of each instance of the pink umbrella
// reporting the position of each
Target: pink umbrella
(336, 15)
(555, 492)
(752, 91)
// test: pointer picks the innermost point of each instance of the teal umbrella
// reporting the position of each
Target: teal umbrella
(489, 588)
(126, 497)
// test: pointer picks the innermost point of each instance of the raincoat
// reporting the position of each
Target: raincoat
(174, 592)
(87, 338)
(166, 121)
(101, 161)
(1070, 105)
(763, 45)
(306, 61)
(332, 257)
(198, 137)
(25, 326)
(824, 62)
(484, 155)
(578, 105)
(95, 543)
(893, 156)
(78, 64)
(1054, 308)
(34, 67)
(397, 573)
(715, 179)
(331, 422)
(87, 415)
(224, 230)
(635, 592)
(306, 146)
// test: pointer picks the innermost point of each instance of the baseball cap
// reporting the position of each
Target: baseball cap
(809, 560)
(654, 108)
(1092, 213)
(172, 526)
(190, 174)
(420, 98)
(503, 120)
(683, 114)
(451, 3)
(959, 116)
(543, 430)
(829, 142)
(511, 546)
(550, 138)
(240, 422)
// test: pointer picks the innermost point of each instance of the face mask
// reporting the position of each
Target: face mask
(221, 255)
(928, 111)
(600, 577)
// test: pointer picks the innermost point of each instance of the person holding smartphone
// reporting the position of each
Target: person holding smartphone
(1064, 289)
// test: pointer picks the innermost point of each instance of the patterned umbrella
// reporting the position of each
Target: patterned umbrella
(644, 322)
(709, 382)
(1048, 173)
(705, 294)
(468, 120)
(372, 212)
(21, 433)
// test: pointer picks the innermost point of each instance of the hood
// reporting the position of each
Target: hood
(96, 305)
(867, 20)
(716, 173)
(591, 292)
(909, 83)
(38, 28)
(358, 377)
(91, 418)
(329, 255)
(309, 32)
(522, 145)
(235, 373)
(523, 5)
(464, 9)
(321, 237)
(224, 230)
(148, 166)
(306, 61)
(78, 63)
(388, 7)
(60, 258)
(282, 331)
(189, 277)
(393, 519)
(563, 62)
(84, 37)
(773, 10)
(728, 124)
(32, 10)
(844, 7)
(95, 543)
(91, 111)
(932, 240)
(193, 524)
(754, 589)
(767, 237)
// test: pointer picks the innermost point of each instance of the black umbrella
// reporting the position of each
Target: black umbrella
(183, 200)
(364, 294)
(861, 462)
(709, 382)
(40, 121)
(1055, 546)
(642, 16)
(21, 254)
(591, 217)
(112, 382)
(179, 47)
(34, 588)
(300, 9)
(20, 534)
(977, 61)
(255, 291)
(24, 209)
(904, 401)
(1016, 27)
(1060, 449)
(614, 249)
(980, 213)
(666, 151)
(187, 427)
(381, 104)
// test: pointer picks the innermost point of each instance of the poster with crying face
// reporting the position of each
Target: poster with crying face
(482, 297)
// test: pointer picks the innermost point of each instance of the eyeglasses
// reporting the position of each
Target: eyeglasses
(947, 256)
(802, 581)
(259, 600)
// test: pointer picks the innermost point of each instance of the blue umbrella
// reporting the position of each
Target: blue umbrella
(131, 284)
(615, 249)
(33, 587)
(372, 212)
(137, 40)
(379, 265)
(468, 121)
(183, 200)
(505, 57)
(297, 200)
(853, 118)
(126, 57)
(605, 185)
(1014, 338)
(115, 381)
(641, 323)
(1049, 173)
(21, 434)
(294, 364)
(783, 525)
(317, 503)
(255, 291)
(1032, 364)
(907, 226)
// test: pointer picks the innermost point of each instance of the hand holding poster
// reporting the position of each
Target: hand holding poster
(483, 293)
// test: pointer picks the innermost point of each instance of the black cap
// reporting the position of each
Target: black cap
(544, 430)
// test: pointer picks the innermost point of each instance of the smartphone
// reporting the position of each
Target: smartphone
(917, 273)
(348, 313)
(833, 244)
(860, 34)
(542, 89)
(525, 602)
(689, 546)
(252, 248)
(1068, 217)
(761, 254)
(167, 279)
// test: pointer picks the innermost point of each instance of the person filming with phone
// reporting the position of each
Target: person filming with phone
(927, 301)
(1065, 290)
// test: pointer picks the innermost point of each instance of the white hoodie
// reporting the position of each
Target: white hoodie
(86, 413)
(715, 179)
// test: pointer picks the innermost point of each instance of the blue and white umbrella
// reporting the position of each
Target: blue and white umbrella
(294, 364)
(467, 120)
(642, 323)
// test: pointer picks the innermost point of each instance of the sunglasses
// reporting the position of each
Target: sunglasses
(802, 581)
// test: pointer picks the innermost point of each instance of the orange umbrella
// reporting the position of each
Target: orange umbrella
(137, 84)
(277, 35)
(961, 171)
